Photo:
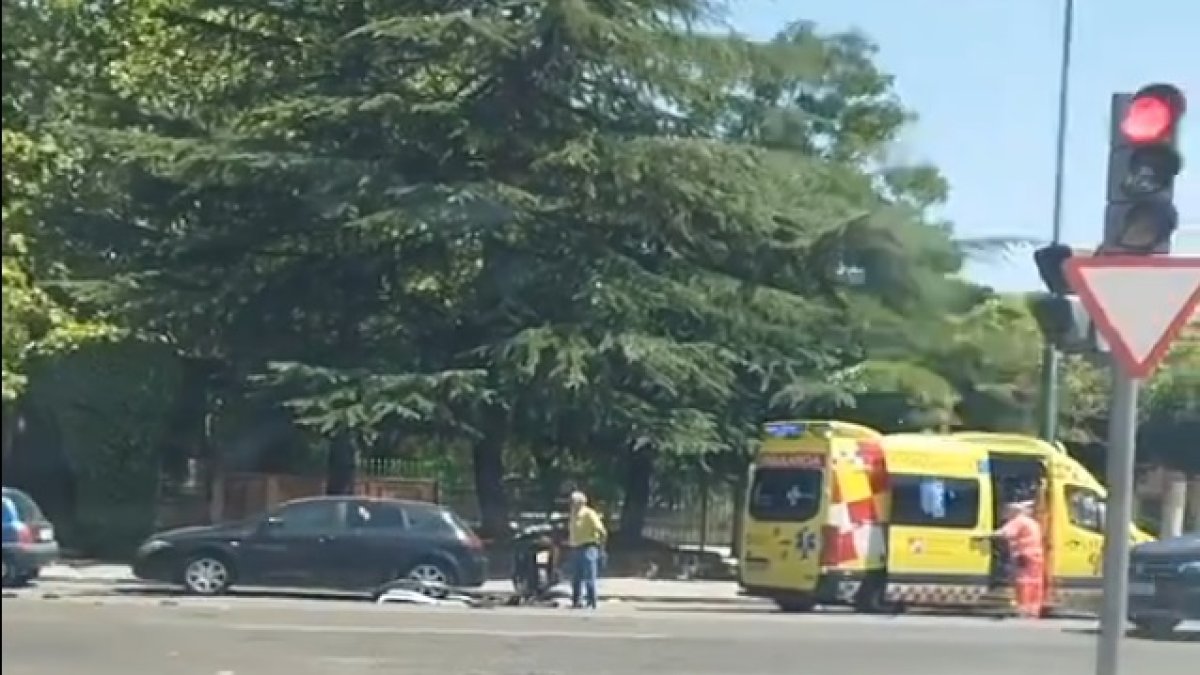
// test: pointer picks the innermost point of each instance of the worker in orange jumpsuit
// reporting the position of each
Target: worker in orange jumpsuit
(1023, 533)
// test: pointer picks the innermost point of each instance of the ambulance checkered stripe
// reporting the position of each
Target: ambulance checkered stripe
(932, 595)
(853, 530)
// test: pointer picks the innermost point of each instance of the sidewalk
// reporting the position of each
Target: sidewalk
(625, 589)
(87, 573)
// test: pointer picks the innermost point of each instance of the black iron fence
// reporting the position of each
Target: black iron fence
(695, 515)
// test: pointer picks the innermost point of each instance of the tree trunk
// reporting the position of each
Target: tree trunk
(487, 459)
(9, 428)
(1174, 504)
(549, 479)
(639, 472)
(1194, 504)
(741, 487)
(342, 467)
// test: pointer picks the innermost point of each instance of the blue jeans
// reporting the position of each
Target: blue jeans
(585, 567)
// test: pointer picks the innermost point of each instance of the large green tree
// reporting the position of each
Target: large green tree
(568, 225)
(928, 339)
(595, 232)
(1171, 409)
(499, 220)
(49, 52)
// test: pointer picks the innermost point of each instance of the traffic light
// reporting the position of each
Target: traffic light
(1143, 162)
(1050, 262)
(1059, 315)
(1064, 322)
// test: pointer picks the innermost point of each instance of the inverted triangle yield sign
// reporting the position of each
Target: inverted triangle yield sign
(1138, 304)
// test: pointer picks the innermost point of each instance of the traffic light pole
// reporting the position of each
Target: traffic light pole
(1122, 438)
(1139, 219)
(1048, 417)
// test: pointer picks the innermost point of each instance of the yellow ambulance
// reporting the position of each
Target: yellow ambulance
(838, 513)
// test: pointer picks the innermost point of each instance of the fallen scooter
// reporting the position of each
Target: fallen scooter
(413, 592)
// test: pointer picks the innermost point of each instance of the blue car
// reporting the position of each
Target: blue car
(1164, 583)
(29, 543)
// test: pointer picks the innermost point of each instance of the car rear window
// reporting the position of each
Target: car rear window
(432, 520)
(27, 509)
(457, 522)
(785, 494)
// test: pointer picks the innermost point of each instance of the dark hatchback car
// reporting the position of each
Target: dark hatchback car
(335, 543)
(1164, 584)
(29, 543)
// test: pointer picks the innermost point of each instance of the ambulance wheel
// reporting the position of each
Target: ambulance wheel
(795, 605)
(1156, 627)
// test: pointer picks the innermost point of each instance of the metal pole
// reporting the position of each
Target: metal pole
(1064, 91)
(1048, 416)
(1122, 440)
(1049, 384)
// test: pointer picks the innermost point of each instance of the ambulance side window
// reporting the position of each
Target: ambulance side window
(935, 501)
(1085, 508)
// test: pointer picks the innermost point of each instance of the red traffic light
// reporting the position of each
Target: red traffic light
(1152, 114)
(1147, 121)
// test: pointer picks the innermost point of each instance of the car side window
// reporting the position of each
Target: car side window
(311, 517)
(1085, 508)
(377, 516)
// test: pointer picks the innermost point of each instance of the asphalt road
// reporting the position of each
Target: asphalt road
(256, 636)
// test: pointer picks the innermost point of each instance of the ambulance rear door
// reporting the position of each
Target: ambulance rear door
(785, 509)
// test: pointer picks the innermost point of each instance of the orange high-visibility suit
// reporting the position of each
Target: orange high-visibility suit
(1024, 536)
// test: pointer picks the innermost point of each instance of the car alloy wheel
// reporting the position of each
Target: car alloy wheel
(206, 575)
(429, 573)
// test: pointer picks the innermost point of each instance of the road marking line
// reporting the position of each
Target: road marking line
(395, 630)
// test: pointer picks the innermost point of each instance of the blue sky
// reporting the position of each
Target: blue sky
(982, 75)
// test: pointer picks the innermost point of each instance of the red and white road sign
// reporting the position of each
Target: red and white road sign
(1139, 304)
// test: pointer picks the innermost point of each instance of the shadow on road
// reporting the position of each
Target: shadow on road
(677, 607)
(1134, 633)
(292, 594)
(826, 611)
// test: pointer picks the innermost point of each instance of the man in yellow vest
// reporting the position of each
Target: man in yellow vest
(586, 536)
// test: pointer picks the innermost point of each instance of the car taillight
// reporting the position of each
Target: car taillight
(474, 542)
(24, 534)
(464, 532)
(471, 541)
